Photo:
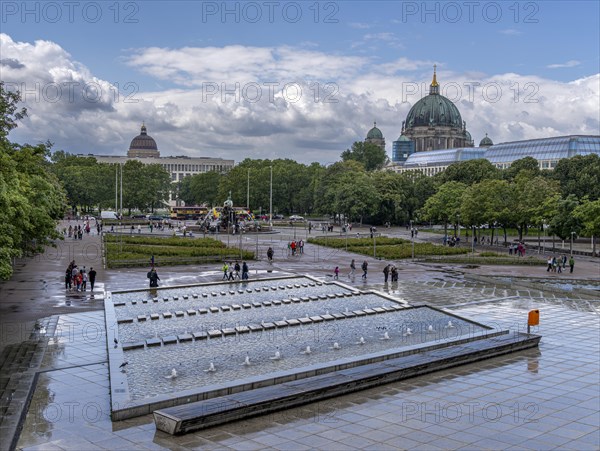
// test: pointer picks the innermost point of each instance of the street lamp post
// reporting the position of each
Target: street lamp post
(544, 239)
(271, 201)
(473, 240)
(571, 251)
(412, 238)
(374, 245)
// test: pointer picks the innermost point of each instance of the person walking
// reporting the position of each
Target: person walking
(69, 276)
(336, 272)
(84, 280)
(571, 264)
(352, 268)
(365, 267)
(92, 278)
(270, 254)
(225, 270)
(245, 271)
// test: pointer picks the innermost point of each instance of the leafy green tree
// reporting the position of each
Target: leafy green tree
(157, 187)
(355, 196)
(327, 187)
(469, 172)
(528, 164)
(588, 213)
(529, 195)
(31, 198)
(370, 155)
(391, 191)
(9, 111)
(579, 176)
(565, 221)
(488, 202)
(201, 189)
(444, 206)
(86, 182)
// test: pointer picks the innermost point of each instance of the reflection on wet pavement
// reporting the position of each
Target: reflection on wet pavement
(535, 399)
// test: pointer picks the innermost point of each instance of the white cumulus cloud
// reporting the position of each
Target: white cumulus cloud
(273, 102)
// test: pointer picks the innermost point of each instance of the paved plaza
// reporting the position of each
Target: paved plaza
(546, 398)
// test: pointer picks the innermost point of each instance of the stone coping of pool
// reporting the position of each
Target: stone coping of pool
(208, 413)
(124, 407)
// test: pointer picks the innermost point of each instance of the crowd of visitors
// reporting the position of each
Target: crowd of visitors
(77, 278)
(558, 264)
(232, 271)
(295, 247)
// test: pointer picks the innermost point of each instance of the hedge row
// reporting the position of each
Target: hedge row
(388, 248)
(339, 243)
(165, 241)
(166, 251)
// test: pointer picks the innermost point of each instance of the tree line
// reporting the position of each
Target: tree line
(37, 186)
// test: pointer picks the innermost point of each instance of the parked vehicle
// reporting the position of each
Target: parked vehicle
(109, 215)
(296, 218)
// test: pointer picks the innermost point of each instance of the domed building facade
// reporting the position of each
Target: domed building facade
(435, 123)
(374, 136)
(143, 146)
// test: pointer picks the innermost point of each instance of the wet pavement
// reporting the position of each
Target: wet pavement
(535, 399)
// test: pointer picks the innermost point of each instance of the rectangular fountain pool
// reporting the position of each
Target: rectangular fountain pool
(223, 338)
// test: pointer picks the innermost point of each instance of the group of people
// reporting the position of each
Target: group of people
(77, 279)
(390, 270)
(364, 267)
(558, 264)
(295, 247)
(517, 249)
(153, 276)
(453, 241)
(232, 271)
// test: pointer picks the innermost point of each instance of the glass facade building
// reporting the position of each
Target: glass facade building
(547, 151)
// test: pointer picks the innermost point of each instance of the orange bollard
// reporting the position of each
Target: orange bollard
(533, 319)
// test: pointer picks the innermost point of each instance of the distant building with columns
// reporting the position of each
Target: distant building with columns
(144, 148)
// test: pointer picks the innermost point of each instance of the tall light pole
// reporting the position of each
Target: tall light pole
(116, 189)
(571, 251)
(412, 238)
(121, 211)
(271, 201)
(544, 232)
(248, 192)
(473, 240)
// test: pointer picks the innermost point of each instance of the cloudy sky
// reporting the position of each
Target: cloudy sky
(300, 80)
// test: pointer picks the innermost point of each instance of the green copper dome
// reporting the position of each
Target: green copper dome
(434, 110)
(375, 133)
(486, 142)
